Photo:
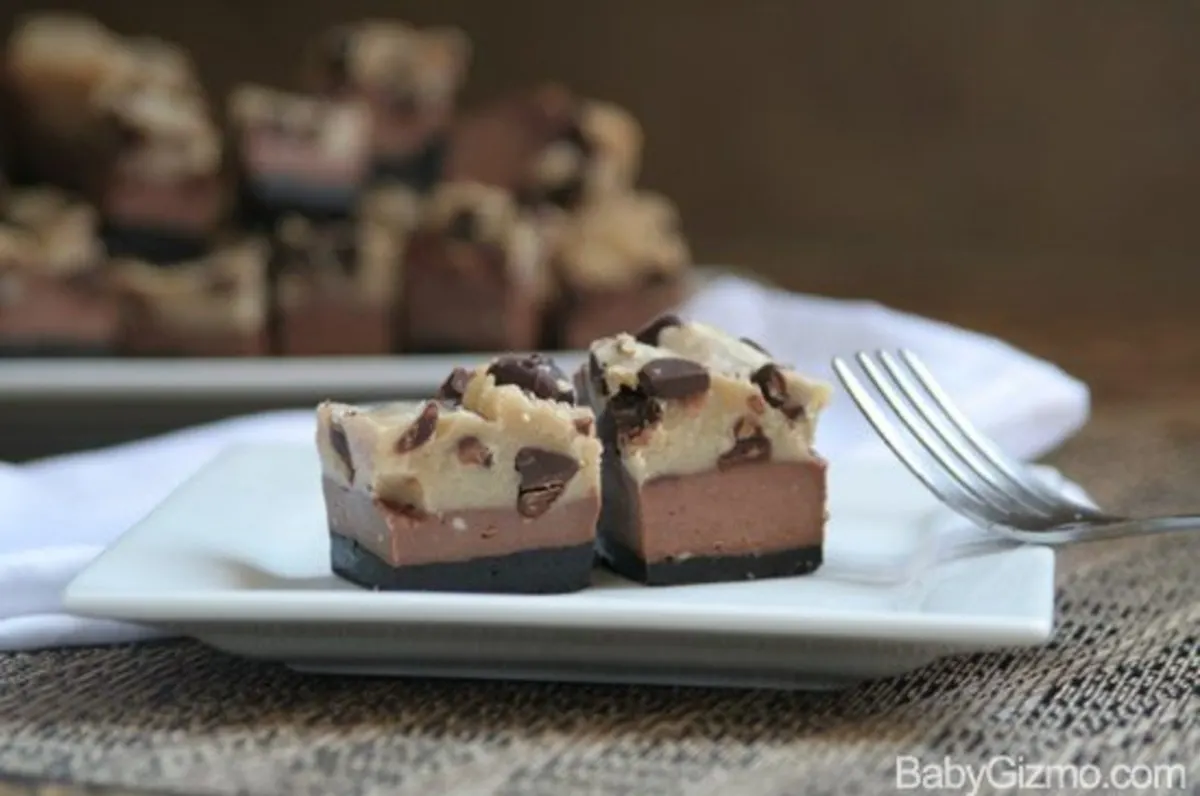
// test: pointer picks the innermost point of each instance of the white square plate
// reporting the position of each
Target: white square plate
(238, 558)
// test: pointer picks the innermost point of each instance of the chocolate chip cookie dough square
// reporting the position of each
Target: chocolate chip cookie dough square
(475, 274)
(54, 300)
(548, 146)
(162, 196)
(214, 306)
(409, 79)
(709, 472)
(336, 283)
(494, 486)
(297, 154)
(618, 263)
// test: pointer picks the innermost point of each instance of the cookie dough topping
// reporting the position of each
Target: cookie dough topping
(685, 398)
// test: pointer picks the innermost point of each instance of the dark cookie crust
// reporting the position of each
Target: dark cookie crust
(153, 246)
(709, 569)
(549, 571)
(419, 172)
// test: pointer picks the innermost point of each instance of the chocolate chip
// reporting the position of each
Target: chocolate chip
(755, 345)
(455, 386)
(403, 509)
(633, 411)
(673, 378)
(539, 467)
(656, 278)
(567, 195)
(650, 332)
(421, 431)
(535, 374)
(745, 428)
(771, 381)
(536, 502)
(575, 136)
(584, 425)
(596, 374)
(471, 451)
(464, 226)
(544, 476)
(341, 446)
(745, 451)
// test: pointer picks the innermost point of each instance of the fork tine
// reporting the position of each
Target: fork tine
(1000, 504)
(934, 415)
(950, 494)
(982, 444)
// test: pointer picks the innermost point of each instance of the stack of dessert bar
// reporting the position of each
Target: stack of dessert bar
(367, 214)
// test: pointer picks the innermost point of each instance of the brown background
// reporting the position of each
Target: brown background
(1023, 125)
(1029, 169)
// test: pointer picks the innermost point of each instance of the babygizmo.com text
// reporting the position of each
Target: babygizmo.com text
(1008, 773)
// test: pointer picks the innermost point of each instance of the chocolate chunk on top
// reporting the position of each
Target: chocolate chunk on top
(540, 468)
(673, 378)
(650, 332)
(341, 446)
(544, 476)
(455, 386)
(633, 411)
(472, 451)
(535, 374)
(421, 431)
(771, 380)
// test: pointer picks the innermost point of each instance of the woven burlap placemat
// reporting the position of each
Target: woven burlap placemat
(1118, 686)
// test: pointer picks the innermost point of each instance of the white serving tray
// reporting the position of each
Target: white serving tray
(238, 558)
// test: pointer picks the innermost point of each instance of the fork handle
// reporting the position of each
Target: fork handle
(1175, 523)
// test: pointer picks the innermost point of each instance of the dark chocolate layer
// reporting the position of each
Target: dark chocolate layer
(709, 569)
(546, 571)
(153, 246)
(419, 172)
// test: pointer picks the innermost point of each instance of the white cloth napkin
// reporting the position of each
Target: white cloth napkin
(58, 513)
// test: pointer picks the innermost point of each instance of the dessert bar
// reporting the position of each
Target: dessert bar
(298, 154)
(619, 262)
(53, 298)
(548, 147)
(409, 79)
(213, 306)
(494, 486)
(162, 196)
(709, 472)
(475, 276)
(336, 283)
(53, 67)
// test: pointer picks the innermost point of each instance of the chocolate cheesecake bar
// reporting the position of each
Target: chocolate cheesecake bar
(709, 472)
(548, 147)
(409, 78)
(53, 65)
(492, 487)
(619, 262)
(161, 196)
(213, 306)
(475, 275)
(298, 154)
(53, 297)
(336, 283)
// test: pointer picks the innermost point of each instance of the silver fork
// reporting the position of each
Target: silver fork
(967, 471)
